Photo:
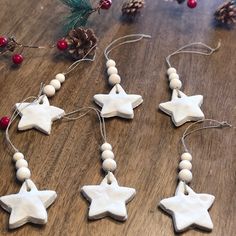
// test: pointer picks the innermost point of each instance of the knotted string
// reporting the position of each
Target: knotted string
(219, 124)
(209, 50)
(76, 63)
(67, 116)
(132, 39)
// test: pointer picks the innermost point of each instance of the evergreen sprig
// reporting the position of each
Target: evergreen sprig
(80, 12)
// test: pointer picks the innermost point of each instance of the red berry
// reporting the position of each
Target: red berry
(3, 41)
(192, 3)
(62, 44)
(4, 121)
(105, 4)
(17, 59)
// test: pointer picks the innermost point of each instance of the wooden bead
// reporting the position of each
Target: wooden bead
(23, 173)
(112, 70)
(18, 156)
(56, 84)
(49, 90)
(21, 163)
(106, 146)
(171, 70)
(110, 63)
(107, 154)
(60, 77)
(173, 76)
(185, 175)
(175, 84)
(186, 156)
(185, 164)
(114, 79)
(109, 165)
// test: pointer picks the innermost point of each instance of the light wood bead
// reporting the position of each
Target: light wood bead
(107, 154)
(185, 175)
(114, 79)
(109, 165)
(49, 90)
(56, 84)
(60, 77)
(186, 156)
(173, 76)
(171, 70)
(175, 84)
(110, 63)
(21, 163)
(18, 156)
(23, 173)
(106, 146)
(185, 164)
(112, 70)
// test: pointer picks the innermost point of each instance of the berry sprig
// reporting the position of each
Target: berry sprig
(76, 43)
(81, 11)
(9, 44)
(190, 3)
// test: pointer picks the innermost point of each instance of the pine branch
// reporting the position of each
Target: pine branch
(80, 12)
(78, 4)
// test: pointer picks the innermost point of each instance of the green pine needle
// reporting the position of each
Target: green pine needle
(80, 11)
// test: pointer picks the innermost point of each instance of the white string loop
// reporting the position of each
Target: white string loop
(98, 113)
(66, 116)
(209, 51)
(219, 124)
(110, 47)
(76, 63)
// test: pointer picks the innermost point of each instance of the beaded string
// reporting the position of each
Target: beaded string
(114, 78)
(55, 84)
(23, 173)
(185, 165)
(175, 82)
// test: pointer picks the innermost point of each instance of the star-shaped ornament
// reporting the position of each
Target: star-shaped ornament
(183, 108)
(29, 205)
(189, 210)
(118, 103)
(108, 199)
(38, 115)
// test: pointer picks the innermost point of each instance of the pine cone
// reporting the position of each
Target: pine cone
(11, 46)
(131, 7)
(226, 13)
(80, 42)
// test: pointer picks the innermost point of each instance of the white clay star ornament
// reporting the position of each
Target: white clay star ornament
(118, 103)
(29, 205)
(183, 108)
(108, 199)
(189, 210)
(38, 115)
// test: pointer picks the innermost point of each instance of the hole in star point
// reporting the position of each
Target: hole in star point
(186, 193)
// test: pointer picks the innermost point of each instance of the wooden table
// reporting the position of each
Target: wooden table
(147, 149)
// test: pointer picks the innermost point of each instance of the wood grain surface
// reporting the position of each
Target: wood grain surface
(147, 149)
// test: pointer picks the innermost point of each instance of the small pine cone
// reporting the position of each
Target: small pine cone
(226, 13)
(131, 7)
(80, 42)
(11, 45)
